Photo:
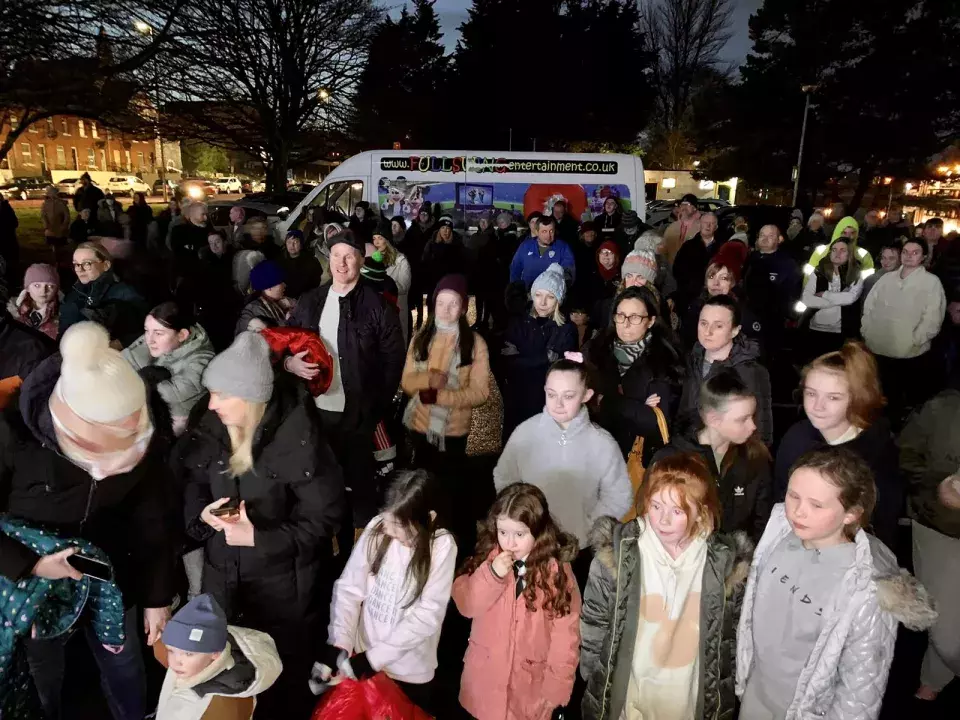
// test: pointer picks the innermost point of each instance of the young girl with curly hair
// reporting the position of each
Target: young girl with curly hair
(520, 592)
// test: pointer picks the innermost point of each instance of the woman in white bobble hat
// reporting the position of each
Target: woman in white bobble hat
(535, 340)
(82, 460)
(264, 495)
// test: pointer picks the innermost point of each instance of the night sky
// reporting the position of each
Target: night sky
(454, 12)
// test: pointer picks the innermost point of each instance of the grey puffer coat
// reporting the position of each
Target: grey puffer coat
(611, 610)
(186, 365)
(846, 673)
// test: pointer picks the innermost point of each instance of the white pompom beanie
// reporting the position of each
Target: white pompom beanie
(96, 382)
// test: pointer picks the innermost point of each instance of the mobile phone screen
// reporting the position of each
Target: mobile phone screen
(91, 567)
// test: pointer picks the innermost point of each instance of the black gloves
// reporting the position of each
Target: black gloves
(154, 374)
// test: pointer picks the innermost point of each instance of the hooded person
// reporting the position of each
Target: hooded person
(363, 222)
(831, 294)
(214, 670)
(265, 496)
(82, 459)
(630, 229)
(302, 271)
(848, 228)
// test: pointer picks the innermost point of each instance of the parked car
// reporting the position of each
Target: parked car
(662, 215)
(304, 188)
(126, 185)
(158, 187)
(228, 185)
(251, 186)
(24, 188)
(198, 188)
(67, 188)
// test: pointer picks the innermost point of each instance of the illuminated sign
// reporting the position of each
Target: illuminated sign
(472, 164)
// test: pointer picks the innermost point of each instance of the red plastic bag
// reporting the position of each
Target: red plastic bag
(378, 698)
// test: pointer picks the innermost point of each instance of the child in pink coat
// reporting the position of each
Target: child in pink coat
(520, 592)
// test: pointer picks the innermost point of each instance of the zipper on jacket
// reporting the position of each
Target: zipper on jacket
(86, 510)
(616, 605)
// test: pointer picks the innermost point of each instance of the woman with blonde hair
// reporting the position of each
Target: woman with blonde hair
(264, 496)
(661, 606)
(842, 401)
(398, 270)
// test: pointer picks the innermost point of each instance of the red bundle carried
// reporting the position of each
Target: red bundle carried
(295, 340)
(377, 698)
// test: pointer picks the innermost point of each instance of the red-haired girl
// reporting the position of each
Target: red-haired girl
(660, 609)
(520, 592)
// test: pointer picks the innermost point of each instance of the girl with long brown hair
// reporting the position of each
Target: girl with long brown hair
(390, 601)
(520, 592)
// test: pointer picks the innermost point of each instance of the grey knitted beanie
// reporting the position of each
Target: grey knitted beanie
(242, 370)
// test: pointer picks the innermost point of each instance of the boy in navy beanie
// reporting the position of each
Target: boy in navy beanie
(209, 661)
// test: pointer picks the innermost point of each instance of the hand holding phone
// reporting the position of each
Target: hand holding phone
(220, 512)
(91, 567)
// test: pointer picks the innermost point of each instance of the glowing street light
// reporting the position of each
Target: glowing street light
(144, 28)
(323, 95)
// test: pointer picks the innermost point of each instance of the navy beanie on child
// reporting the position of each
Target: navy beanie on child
(265, 276)
(200, 626)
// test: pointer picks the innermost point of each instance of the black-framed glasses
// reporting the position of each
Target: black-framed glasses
(86, 264)
(621, 319)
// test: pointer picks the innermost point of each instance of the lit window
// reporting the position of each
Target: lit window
(81, 129)
(65, 126)
(61, 156)
(93, 129)
(26, 152)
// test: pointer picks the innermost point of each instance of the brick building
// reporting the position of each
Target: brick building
(72, 144)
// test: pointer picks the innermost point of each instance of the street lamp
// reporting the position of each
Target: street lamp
(144, 28)
(808, 90)
(323, 95)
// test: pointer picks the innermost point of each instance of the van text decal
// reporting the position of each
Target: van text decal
(476, 164)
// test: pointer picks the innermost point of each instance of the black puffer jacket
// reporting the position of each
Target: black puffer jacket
(743, 359)
(22, 348)
(130, 516)
(294, 497)
(611, 610)
(372, 350)
(875, 445)
(106, 300)
(744, 481)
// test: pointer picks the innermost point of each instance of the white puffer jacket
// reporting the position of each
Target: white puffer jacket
(846, 673)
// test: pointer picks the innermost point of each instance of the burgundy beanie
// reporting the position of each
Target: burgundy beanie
(453, 283)
(41, 273)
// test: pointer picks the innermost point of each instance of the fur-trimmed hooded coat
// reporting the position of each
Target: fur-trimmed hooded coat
(611, 610)
(846, 674)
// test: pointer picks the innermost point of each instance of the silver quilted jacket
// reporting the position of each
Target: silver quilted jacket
(846, 674)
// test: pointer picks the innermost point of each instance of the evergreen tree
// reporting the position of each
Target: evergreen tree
(885, 99)
(563, 72)
(399, 94)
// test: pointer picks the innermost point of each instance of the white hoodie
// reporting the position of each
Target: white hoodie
(368, 612)
(179, 700)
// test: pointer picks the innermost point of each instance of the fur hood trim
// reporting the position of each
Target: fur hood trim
(902, 595)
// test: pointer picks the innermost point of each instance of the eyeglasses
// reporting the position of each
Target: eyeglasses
(621, 319)
(86, 264)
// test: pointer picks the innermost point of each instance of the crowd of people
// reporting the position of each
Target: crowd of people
(283, 463)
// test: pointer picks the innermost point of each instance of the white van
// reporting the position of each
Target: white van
(470, 183)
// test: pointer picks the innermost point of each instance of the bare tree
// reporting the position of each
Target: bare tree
(686, 37)
(76, 57)
(270, 78)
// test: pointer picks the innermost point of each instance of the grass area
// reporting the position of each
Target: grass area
(30, 232)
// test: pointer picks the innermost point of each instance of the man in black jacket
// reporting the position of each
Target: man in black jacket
(362, 332)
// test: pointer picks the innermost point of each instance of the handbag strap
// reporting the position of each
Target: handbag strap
(662, 424)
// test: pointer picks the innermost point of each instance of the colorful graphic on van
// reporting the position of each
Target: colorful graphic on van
(467, 202)
(477, 164)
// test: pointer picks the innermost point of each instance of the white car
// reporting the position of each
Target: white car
(127, 185)
(229, 185)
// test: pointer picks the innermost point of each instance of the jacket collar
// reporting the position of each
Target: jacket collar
(554, 433)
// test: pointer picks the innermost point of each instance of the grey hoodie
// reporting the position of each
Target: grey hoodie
(580, 470)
